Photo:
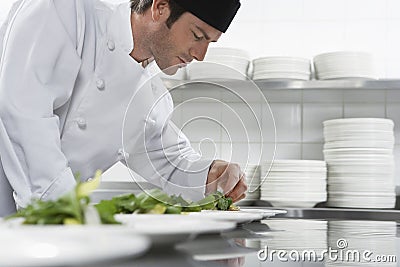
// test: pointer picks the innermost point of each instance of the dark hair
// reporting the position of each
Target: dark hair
(140, 6)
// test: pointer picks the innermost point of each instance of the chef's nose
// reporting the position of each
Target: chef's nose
(199, 51)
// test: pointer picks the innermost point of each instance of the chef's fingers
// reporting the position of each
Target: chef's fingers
(241, 261)
(239, 191)
(240, 198)
(213, 178)
(233, 177)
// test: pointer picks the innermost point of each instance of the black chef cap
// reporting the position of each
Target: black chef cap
(217, 13)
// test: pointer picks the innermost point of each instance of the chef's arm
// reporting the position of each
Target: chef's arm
(38, 69)
(172, 164)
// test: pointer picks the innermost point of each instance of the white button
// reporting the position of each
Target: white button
(89, 179)
(154, 88)
(122, 154)
(81, 123)
(100, 84)
(111, 45)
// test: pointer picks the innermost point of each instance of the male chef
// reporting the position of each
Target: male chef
(74, 78)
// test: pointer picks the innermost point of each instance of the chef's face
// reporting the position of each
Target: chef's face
(186, 39)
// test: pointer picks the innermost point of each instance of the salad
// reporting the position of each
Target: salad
(75, 207)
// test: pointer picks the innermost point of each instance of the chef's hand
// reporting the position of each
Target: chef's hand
(228, 177)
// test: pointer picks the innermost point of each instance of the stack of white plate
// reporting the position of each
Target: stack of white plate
(344, 65)
(294, 183)
(358, 237)
(253, 173)
(221, 63)
(281, 68)
(296, 235)
(359, 154)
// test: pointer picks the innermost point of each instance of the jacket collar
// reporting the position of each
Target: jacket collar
(119, 27)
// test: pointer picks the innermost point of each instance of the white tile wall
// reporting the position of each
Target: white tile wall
(397, 166)
(288, 151)
(313, 117)
(364, 96)
(393, 7)
(287, 121)
(371, 9)
(243, 153)
(365, 110)
(323, 96)
(325, 10)
(312, 151)
(243, 123)
(283, 96)
(393, 96)
(393, 112)
(278, 10)
(201, 120)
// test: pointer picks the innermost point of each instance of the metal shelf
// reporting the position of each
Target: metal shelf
(293, 85)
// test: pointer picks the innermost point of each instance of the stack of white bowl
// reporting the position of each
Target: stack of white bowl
(345, 65)
(294, 183)
(281, 68)
(296, 235)
(359, 154)
(221, 63)
(378, 237)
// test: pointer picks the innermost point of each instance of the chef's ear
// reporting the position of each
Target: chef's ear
(160, 10)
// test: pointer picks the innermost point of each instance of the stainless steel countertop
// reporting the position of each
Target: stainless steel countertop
(240, 247)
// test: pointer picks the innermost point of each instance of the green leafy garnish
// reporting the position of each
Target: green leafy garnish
(156, 201)
(72, 207)
(68, 209)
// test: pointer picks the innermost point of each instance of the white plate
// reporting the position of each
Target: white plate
(357, 151)
(231, 216)
(293, 204)
(266, 213)
(359, 144)
(170, 228)
(67, 245)
(353, 121)
(294, 163)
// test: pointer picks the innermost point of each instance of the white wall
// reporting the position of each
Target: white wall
(309, 27)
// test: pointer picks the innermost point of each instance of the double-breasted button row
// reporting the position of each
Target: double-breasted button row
(111, 45)
(100, 84)
(81, 123)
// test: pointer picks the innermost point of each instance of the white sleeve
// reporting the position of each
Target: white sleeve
(173, 165)
(4, 26)
(38, 69)
(169, 161)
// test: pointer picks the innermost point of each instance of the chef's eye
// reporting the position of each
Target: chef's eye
(196, 37)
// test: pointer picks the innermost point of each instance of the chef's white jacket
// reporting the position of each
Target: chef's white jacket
(73, 100)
